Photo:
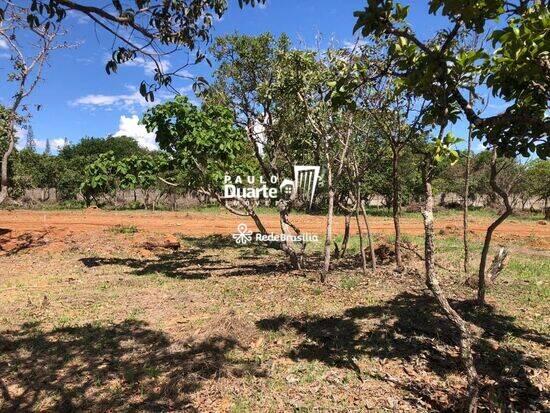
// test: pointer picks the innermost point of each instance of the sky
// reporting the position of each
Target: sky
(79, 99)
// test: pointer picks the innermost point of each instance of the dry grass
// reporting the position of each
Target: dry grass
(100, 324)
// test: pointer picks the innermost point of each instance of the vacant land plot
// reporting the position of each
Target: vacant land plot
(106, 312)
(198, 223)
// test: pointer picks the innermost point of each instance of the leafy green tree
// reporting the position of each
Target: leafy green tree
(538, 182)
(100, 178)
(442, 68)
(90, 147)
(141, 172)
(248, 81)
(204, 142)
(76, 157)
(70, 178)
(25, 165)
(48, 175)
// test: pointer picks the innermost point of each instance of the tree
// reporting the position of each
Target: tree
(141, 172)
(73, 159)
(205, 145)
(440, 69)
(306, 78)
(90, 147)
(31, 142)
(100, 178)
(538, 181)
(369, 160)
(26, 72)
(249, 80)
(435, 153)
(397, 114)
(47, 148)
(399, 120)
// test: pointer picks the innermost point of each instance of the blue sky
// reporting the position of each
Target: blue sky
(79, 99)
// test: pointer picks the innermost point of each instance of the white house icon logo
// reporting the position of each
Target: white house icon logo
(305, 182)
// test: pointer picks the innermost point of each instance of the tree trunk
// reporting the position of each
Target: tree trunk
(328, 232)
(146, 199)
(489, 234)
(432, 282)
(360, 232)
(4, 182)
(371, 245)
(395, 208)
(466, 195)
(345, 240)
(286, 226)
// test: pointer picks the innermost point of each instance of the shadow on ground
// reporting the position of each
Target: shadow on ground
(121, 366)
(411, 328)
(198, 263)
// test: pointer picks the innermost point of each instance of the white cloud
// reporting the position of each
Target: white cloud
(21, 136)
(3, 44)
(127, 101)
(477, 146)
(148, 65)
(355, 44)
(58, 143)
(129, 126)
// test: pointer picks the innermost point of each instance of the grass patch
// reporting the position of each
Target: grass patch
(124, 229)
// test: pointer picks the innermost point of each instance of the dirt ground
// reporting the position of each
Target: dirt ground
(223, 223)
(170, 316)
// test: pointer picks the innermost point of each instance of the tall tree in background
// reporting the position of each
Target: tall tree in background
(47, 148)
(31, 142)
(538, 179)
(398, 116)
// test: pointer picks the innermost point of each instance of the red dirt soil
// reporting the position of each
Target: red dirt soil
(208, 223)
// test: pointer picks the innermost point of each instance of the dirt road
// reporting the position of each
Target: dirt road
(207, 223)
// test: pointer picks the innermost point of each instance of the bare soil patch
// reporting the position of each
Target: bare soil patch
(60, 225)
(94, 321)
